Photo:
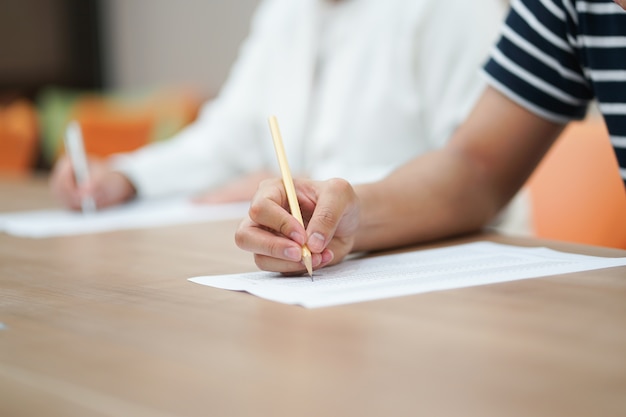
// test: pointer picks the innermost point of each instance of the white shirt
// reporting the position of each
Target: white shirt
(359, 87)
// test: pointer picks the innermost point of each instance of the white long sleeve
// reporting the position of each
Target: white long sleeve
(385, 81)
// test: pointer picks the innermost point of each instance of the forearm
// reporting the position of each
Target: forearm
(435, 196)
(461, 187)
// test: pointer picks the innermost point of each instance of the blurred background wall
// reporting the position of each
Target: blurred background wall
(119, 44)
(151, 42)
(115, 64)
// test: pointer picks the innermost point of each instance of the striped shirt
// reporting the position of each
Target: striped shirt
(555, 56)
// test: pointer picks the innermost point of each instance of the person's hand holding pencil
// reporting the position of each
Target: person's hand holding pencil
(278, 239)
(292, 198)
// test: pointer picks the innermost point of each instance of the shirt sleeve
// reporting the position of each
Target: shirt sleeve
(535, 62)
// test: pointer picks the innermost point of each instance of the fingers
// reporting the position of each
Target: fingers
(272, 233)
(270, 229)
(104, 185)
(276, 237)
(335, 215)
(269, 208)
(63, 185)
(108, 187)
(272, 252)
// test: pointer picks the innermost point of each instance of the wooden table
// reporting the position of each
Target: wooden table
(107, 325)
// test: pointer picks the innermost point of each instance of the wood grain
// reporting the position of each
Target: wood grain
(107, 325)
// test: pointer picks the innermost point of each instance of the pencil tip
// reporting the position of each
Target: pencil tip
(308, 263)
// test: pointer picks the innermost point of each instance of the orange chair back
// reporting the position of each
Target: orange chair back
(577, 194)
(109, 128)
(113, 123)
(18, 137)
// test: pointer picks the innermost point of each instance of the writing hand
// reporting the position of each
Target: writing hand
(330, 210)
(105, 186)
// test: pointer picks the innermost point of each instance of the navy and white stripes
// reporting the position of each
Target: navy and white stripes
(555, 56)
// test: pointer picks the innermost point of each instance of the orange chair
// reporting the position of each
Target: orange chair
(113, 122)
(111, 125)
(109, 128)
(18, 137)
(576, 193)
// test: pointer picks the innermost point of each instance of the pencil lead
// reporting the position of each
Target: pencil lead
(308, 263)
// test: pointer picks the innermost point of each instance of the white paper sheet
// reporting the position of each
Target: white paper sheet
(137, 214)
(387, 276)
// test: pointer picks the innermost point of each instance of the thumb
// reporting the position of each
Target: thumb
(336, 200)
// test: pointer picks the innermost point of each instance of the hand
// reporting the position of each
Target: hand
(240, 189)
(107, 187)
(330, 210)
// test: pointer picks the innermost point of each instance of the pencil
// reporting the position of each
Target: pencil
(289, 187)
(76, 151)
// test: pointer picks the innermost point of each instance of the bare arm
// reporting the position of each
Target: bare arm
(461, 187)
(454, 190)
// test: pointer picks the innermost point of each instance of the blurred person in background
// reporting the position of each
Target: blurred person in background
(359, 88)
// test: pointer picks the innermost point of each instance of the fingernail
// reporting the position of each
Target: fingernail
(297, 237)
(327, 256)
(316, 242)
(293, 254)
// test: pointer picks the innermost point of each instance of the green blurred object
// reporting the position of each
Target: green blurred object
(53, 108)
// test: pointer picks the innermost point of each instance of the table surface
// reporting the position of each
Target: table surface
(108, 325)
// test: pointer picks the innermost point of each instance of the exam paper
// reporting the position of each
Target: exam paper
(415, 272)
(133, 215)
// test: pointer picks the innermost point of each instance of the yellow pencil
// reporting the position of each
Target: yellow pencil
(289, 187)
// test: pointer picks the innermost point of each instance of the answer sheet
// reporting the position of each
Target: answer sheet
(133, 215)
(415, 272)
